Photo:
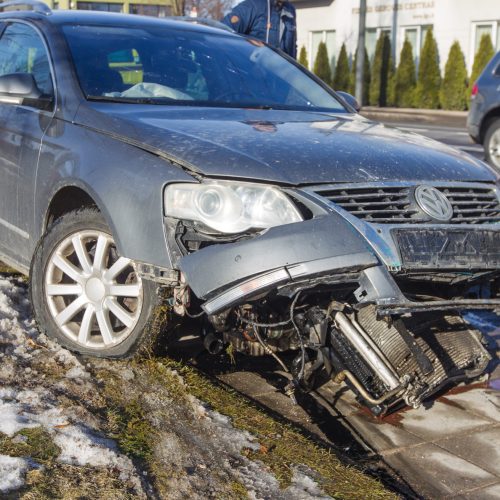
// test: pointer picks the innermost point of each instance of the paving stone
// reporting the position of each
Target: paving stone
(340, 397)
(248, 383)
(382, 435)
(436, 473)
(488, 493)
(484, 402)
(481, 448)
(440, 420)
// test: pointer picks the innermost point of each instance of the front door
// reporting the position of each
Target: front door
(22, 126)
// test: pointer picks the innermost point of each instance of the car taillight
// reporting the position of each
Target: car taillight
(475, 90)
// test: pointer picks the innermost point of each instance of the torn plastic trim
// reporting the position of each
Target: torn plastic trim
(264, 282)
(397, 308)
(300, 247)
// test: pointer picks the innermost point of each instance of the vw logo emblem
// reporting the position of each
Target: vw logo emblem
(434, 203)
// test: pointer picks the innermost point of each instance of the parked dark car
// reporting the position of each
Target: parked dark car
(149, 162)
(483, 121)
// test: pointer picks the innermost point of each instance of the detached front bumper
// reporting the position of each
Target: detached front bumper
(224, 275)
(324, 250)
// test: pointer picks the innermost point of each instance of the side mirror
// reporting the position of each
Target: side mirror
(21, 88)
(351, 100)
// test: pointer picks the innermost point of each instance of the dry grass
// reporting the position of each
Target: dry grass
(283, 446)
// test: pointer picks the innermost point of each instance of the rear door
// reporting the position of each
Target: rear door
(22, 50)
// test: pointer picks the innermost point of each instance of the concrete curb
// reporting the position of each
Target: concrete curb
(422, 116)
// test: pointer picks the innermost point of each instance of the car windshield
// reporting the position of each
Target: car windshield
(162, 65)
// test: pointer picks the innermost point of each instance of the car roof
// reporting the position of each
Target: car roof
(61, 17)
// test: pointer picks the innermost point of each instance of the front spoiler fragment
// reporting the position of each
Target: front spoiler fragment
(223, 275)
(397, 308)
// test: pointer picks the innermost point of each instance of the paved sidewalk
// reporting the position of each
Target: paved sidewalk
(448, 449)
(456, 119)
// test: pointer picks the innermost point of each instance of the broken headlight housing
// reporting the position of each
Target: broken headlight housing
(230, 207)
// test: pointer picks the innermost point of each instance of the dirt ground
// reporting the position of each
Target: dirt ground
(146, 428)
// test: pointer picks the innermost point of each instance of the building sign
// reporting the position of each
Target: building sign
(397, 6)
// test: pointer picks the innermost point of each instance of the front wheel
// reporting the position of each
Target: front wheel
(84, 294)
(492, 144)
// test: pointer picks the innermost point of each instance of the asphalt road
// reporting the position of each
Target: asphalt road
(456, 137)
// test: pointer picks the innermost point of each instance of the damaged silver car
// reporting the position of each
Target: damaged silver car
(148, 161)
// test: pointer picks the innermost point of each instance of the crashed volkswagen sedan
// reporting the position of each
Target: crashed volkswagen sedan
(147, 160)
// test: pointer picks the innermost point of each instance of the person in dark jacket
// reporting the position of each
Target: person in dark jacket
(272, 21)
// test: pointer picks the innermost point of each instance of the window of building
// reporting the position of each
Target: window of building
(106, 7)
(480, 31)
(371, 42)
(150, 10)
(371, 37)
(327, 36)
(416, 36)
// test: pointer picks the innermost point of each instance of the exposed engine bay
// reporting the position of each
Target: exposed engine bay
(376, 306)
(385, 360)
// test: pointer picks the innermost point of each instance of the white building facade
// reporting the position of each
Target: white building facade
(336, 22)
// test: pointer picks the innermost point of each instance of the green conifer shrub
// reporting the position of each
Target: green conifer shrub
(322, 64)
(391, 83)
(342, 78)
(429, 75)
(380, 72)
(454, 85)
(303, 57)
(483, 55)
(404, 78)
(366, 77)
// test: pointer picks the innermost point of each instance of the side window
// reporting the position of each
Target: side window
(128, 63)
(22, 51)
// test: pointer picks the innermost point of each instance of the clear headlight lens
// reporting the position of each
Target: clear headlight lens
(230, 207)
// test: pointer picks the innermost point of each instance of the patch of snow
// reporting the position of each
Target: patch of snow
(12, 472)
(13, 419)
(77, 372)
(233, 439)
(79, 446)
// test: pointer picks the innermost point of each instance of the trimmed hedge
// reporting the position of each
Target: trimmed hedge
(366, 77)
(483, 55)
(303, 57)
(454, 86)
(341, 80)
(429, 76)
(322, 64)
(380, 72)
(404, 79)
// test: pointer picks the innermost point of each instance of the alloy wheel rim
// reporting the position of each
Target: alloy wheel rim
(494, 148)
(95, 296)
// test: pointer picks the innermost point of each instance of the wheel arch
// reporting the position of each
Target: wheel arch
(67, 199)
(488, 118)
(70, 197)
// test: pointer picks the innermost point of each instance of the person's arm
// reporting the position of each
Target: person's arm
(240, 18)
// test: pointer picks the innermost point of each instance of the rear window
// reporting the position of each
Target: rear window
(174, 66)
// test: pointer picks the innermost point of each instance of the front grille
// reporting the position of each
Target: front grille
(477, 204)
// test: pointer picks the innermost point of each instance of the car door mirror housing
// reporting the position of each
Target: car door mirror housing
(351, 100)
(21, 88)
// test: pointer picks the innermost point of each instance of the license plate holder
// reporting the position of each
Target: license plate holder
(449, 248)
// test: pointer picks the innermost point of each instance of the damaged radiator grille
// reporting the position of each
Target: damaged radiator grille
(449, 342)
(478, 204)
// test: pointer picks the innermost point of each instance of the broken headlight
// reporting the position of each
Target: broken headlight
(230, 207)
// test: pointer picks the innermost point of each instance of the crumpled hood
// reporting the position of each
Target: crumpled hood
(286, 147)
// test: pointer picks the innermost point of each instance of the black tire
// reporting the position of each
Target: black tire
(492, 134)
(144, 330)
